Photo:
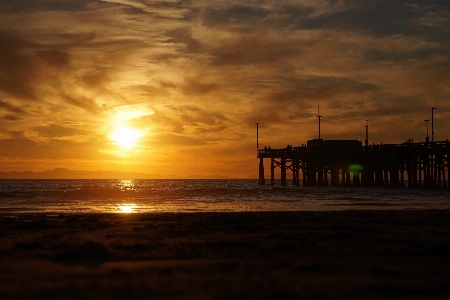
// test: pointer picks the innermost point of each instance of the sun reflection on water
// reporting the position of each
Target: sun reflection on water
(126, 184)
(126, 208)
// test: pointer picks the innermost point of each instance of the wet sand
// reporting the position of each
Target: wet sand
(264, 255)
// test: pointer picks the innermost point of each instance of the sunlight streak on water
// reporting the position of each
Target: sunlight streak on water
(126, 208)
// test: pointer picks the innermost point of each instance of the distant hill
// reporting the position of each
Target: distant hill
(62, 173)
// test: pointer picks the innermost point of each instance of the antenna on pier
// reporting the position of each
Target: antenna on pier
(426, 122)
(318, 116)
(432, 123)
(257, 136)
(367, 133)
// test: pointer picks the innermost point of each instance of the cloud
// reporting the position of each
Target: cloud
(17, 71)
(11, 118)
(11, 108)
(55, 58)
(166, 9)
(56, 131)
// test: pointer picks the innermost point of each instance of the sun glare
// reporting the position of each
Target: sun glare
(126, 208)
(125, 136)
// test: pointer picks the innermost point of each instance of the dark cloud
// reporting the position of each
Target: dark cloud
(251, 50)
(299, 97)
(11, 108)
(379, 17)
(81, 102)
(195, 87)
(382, 18)
(235, 14)
(11, 118)
(184, 35)
(17, 71)
(55, 130)
(23, 77)
(21, 6)
(321, 88)
(55, 58)
(174, 119)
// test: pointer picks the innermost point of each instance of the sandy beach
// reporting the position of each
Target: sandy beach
(264, 255)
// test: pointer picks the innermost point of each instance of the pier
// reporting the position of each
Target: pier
(349, 163)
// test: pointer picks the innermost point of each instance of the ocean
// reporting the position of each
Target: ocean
(146, 196)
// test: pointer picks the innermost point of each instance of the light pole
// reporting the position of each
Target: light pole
(432, 123)
(428, 139)
(318, 116)
(257, 136)
(367, 133)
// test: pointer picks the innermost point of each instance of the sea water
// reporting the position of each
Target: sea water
(144, 196)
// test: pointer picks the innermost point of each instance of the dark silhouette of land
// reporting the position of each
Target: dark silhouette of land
(62, 173)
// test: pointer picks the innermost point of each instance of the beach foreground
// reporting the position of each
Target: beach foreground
(264, 255)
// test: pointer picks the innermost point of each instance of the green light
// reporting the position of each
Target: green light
(355, 169)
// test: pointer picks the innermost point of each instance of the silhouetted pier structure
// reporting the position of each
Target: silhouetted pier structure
(349, 163)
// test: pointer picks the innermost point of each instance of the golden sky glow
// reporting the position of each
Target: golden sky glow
(175, 87)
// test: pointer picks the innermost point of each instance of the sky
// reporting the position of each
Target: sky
(176, 87)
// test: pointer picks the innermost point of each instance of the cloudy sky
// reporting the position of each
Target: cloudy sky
(175, 87)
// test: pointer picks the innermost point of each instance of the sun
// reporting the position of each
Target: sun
(125, 136)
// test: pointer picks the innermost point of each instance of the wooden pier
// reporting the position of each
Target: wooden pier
(349, 163)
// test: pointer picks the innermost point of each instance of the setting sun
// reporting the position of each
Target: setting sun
(125, 136)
